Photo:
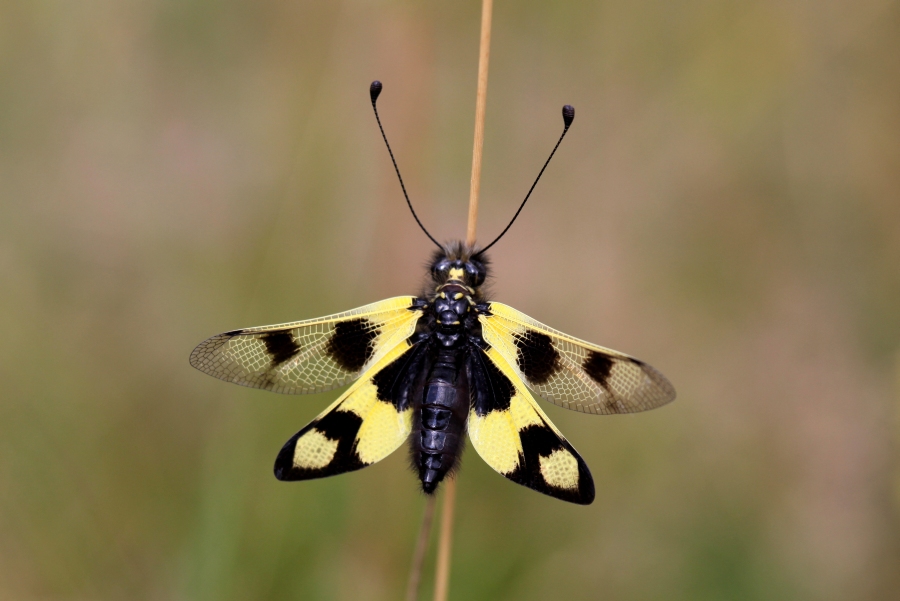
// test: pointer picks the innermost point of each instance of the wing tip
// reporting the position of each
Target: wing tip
(661, 381)
(284, 462)
(549, 464)
(209, 347)
(196, 355)
(585, 492)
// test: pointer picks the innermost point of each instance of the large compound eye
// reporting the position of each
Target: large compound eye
(475, 272)
(440, 269)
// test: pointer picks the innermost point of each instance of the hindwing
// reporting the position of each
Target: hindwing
(309, 356)
(366, 424)
(570, 372)
(516, 438)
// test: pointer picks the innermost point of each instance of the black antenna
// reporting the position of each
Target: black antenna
(374, 91)
(568, 113)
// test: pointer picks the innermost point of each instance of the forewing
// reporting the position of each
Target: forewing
(570, 372)
(516, 438)
(366, 424)
(309, 356)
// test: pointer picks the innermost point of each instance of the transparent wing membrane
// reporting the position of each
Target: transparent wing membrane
(570, 372)
(308, 356)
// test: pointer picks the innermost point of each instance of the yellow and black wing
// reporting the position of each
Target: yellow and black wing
(516, 438)
(366, 424)
(309, 356)
(570, 372)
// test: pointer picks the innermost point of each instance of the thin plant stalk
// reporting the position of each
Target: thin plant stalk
(415, 573)
(445, 544)
(484, 55)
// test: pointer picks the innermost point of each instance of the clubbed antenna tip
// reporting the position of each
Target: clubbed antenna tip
(375, 90)
(568, 110)
(568, 113)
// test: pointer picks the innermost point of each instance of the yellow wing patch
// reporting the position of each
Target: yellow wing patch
(361, 427)
(314, 450)
(559, 469)
(309, 356)
(570, 372)
(496, 439)
(383, 430)
(514, 436)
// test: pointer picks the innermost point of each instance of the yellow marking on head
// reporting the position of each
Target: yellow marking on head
(458, 296)
(456, 273)
(496, 439)
(443, 294)
(314, 450)
(382, 431)
(560, 469)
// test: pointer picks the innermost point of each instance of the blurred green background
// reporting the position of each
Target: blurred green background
(725, 207)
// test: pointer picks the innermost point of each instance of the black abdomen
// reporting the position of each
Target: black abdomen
(441, 419)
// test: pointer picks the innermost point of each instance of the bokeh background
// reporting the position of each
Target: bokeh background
(725, 207)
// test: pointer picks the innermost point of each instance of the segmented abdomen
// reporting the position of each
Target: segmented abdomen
(440, 420)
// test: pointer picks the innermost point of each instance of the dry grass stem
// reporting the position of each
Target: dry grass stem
(484, 55)
(415, 573)
(445, 545)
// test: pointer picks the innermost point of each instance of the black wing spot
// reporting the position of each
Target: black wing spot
(395, 382)
(281, 346)
(352, 343)
(491, 390)
(341, 426)
(539, 440)
(537, 358)
(598, 366)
